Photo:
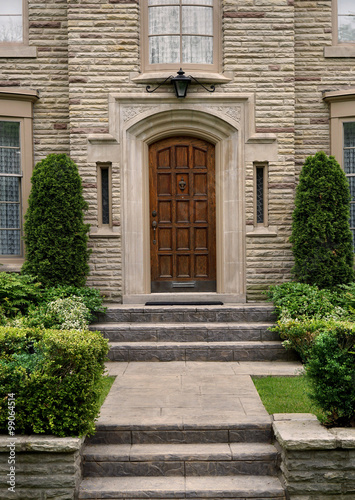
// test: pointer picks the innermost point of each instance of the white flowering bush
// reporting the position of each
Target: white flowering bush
(70, 313)
(62, 314)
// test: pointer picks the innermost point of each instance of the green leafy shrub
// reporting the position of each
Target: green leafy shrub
(24, 298)
(57, 391)
(331, 371)
(55, 234)
(300, 335)
(346, 298)
(321, 238)
(17, 293)
(296, 300)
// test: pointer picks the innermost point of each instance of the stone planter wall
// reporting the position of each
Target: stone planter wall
(317, 463)
(39, 467)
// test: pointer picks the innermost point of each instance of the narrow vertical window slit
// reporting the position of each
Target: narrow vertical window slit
(105, 196)
(260, 195)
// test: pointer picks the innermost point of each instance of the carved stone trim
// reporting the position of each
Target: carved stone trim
(130, 112)
(234, 112)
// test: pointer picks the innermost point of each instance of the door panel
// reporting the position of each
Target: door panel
(182, 215)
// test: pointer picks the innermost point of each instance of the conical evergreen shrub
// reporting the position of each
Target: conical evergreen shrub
(321, 238)
(55, 234)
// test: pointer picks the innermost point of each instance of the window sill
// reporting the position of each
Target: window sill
(12, 267)
(202, 76)
(19, 51)
(340, 51)
(261, 231)
(103, 232)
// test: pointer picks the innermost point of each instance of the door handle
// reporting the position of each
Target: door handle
(154, 226)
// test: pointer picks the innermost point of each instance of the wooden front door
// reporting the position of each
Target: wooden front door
(182, 215)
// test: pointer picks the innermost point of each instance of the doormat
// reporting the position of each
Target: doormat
(201, 303)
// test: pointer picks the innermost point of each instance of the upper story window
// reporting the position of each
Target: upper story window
(346, 21)
(11, 21)
(180, 33)
(14, 29)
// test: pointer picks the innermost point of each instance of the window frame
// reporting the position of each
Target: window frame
(335, 13)
(20, 177)
(100, 167)
(187, 67)
(20, 49)
(265, 200)
(352, 202)
(17, 106)
(342, 110)
(338, 49)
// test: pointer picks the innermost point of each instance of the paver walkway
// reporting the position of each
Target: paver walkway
(181, 394)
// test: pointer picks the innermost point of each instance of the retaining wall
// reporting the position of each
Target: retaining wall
(39, 467)
(317, 463)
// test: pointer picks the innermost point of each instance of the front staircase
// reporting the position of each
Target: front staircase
(212, 456)
(191, 333)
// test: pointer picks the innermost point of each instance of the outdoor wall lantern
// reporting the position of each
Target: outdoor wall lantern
(181, 82)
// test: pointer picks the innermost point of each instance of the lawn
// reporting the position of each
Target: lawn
(107, 382)
(286, 395)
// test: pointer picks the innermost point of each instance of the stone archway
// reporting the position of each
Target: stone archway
(141, 124)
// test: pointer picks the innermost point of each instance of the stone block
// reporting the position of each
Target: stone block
(303, 435)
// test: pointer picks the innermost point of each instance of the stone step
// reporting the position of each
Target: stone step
(185, 332)
(212, 487)
(239, 313)
(217, 459)
(255, 429)
(199, 351)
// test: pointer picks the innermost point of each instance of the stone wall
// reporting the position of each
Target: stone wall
(317, 463)
(258, 49)
(47, 73)
(44, 467)
(316, 72)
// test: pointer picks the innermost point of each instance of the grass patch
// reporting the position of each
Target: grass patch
(286, 395)
(107, 382)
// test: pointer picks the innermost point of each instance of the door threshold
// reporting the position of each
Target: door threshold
(181, 303)
(184, 298)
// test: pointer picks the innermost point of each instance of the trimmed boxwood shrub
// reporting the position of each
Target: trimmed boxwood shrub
(55, 234)
(321, 238)
(331, 371)
(300, 335)
(56, 378)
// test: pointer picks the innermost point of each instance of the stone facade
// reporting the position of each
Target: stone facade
(44, 467)
(274, 63)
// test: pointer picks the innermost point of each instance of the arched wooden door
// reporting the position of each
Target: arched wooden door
(182, 215)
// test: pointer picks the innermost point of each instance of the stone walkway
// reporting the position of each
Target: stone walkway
(182, 394)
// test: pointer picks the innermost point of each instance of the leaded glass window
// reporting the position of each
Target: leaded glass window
(10, 188)
(180, 32)
(11, 21)
(260, 195)
(105, 196)
(346, 21)
(349, 167)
